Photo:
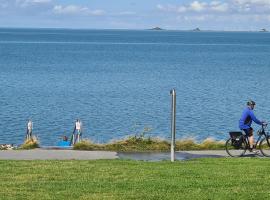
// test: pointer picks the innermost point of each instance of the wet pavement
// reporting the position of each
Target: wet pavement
(180, 155)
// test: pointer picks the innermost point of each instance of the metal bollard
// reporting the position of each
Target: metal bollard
(173, 125)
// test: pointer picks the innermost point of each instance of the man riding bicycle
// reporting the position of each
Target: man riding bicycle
(246, 121)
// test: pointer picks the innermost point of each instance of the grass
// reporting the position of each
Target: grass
(222, 178)
(87, 145)
(145, 144)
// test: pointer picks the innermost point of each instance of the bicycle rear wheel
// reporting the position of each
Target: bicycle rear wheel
(265, 146)
(236, 148)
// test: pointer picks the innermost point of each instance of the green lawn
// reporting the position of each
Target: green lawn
(222, 178)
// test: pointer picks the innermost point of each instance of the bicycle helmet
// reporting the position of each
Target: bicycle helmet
(250, 103)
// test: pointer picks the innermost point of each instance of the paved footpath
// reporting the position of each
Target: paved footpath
(45, 154)
(52, 154)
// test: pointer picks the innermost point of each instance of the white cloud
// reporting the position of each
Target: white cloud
(69, 9)
(26, 3)
(172, 8)
(3, 4)
(127, 13)
(97, 12)
(76, 10)
(161, 7)
(255, 2)
(195, 18)
(168, 8)
(38, 1)
(198, 6)
(219, 7)
(251, 6)
(46, 6)
(195, 6)
(182, 9)
(25, 7)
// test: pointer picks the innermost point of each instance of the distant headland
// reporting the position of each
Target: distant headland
(196, 29)
(157, 29)
(263, 30)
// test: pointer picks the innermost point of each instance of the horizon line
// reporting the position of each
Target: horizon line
(140, 29)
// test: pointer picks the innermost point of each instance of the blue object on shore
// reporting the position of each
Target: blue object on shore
(64, 144)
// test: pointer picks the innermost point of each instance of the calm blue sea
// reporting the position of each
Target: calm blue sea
(118, 82)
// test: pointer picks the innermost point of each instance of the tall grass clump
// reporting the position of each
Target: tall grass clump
(191, 144)
(147, 144)
(87, 145)
(186, 144)
(131, 144)
(138, 144)
(30, 143)
(211, 144)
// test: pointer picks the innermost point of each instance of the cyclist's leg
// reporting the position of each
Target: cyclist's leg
(249, 133)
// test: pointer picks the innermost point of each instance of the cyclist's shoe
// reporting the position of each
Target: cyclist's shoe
(255, 151)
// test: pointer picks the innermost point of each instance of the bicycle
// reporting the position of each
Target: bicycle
(238, 143)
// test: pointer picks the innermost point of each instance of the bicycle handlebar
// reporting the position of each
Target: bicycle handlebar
(264, 124)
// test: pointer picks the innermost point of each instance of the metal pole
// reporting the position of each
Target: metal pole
(173, 126)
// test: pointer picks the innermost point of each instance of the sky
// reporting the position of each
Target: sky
(137, 14)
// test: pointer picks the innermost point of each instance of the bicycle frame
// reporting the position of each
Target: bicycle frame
(266, 135)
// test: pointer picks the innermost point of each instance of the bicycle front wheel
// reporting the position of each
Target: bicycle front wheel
(265, 146)
(236, 148)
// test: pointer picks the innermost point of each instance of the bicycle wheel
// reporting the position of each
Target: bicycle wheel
(265, 146)
(236, 148)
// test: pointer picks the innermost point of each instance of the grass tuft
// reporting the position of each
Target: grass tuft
(211, 144)
(138, 144)
(87, 145)
(30, 144)
(186, 144)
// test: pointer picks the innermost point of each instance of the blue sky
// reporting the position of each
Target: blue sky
(137, 14)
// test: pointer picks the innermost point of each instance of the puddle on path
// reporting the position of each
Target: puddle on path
(159, 156)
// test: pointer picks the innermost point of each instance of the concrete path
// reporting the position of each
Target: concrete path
(179, 155)
(45, 154)
(52, 154)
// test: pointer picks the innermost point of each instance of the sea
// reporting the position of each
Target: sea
(118, 82)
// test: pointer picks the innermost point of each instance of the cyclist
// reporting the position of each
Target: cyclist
(246, 121)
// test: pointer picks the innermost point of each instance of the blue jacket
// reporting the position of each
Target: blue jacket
(247, 118)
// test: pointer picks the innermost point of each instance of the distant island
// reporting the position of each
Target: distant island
(157, 29)
(263, 30)
(196, 29)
